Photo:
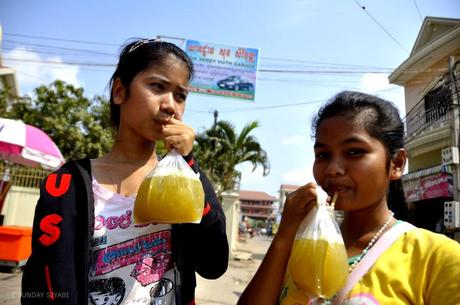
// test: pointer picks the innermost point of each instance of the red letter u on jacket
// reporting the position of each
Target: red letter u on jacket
(63, 186)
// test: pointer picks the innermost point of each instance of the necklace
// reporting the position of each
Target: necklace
(136, 186)
(360, 256)
(372, 242)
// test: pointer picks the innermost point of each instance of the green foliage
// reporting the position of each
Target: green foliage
(220, 149)
(80, 127)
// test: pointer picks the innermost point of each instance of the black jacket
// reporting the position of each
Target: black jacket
(57, 270)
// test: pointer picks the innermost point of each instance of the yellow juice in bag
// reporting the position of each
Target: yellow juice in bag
(316, 266)
(291, 294)
(171, 193)
(170, 199)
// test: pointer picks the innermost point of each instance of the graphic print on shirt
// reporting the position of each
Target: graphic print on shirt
(109, 291)
(151, 268)
(161, 288)
(361, 299)
(149, 253)
(123, 221)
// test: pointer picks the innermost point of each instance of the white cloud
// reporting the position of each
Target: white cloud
(298, 176)
(294, 140)
(372, 82)
(32, 72)
(379, 85)
(250, 177)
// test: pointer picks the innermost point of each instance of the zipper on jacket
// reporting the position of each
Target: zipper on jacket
(178, 280)
(48, 283)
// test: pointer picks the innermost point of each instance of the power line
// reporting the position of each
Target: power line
(322, 71)
(418, 11)
(61, 39)
(60, 48)
(270, 107)
(279, 71)
(64, 63)
(381, 26)
(322, 63)
(111, 55)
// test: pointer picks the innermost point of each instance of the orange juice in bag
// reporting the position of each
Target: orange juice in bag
(171, 193)
(318, 263)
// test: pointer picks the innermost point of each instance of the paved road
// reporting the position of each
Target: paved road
(223, 291)
(10, 287)
(227, 289)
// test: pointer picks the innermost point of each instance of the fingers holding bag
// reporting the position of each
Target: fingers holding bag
(299, 203)
(178, 135)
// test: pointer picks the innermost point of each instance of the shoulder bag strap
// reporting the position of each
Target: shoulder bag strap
(387, 239)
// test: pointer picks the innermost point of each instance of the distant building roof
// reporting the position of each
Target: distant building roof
(438, 37)
(289, 187)
(254, 195)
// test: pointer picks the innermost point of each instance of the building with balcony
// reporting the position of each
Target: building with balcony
(431, 81)
(285, 190)
(257, 205)
(7, 76)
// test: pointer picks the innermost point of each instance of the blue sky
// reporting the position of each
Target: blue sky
(337, 43)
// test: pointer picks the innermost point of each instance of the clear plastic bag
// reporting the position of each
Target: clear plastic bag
(171, 193)
(291, 294)
(318, 264)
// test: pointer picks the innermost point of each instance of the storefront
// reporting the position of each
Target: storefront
(426, 191)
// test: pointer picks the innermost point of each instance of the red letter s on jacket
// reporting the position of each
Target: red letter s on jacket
(52, 232)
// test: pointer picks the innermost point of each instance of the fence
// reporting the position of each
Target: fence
(24, 176)
(19, 203)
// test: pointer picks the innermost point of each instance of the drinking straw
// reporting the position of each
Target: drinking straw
(334, 199)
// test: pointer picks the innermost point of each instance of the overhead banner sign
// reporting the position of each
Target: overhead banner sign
(223, 70)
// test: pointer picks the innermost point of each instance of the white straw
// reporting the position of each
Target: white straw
(334, 199)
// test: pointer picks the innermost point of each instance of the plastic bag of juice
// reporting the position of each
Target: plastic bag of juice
(291, 294)
(318, 263)
(171, 193)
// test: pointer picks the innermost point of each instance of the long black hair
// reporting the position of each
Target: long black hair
(139, 55)
(382, 121)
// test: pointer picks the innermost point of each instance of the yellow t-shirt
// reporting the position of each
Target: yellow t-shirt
(421, 268)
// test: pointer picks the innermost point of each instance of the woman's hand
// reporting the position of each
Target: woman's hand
(265, 287)
(178, 135)
(296, 207)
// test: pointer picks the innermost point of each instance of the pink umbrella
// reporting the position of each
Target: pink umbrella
(28, 145)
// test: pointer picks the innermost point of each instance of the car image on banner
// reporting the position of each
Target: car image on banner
(223, 70)
(236, 83)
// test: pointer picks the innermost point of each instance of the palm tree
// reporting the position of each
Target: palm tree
(220, 149)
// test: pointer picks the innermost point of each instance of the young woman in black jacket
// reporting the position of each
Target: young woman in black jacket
(86, 248)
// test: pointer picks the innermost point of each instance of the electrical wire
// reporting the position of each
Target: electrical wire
(381, 26)
(295, 61)
(61, 39)
(61, 48)
(418, 11)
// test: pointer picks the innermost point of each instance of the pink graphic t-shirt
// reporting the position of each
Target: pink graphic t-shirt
(130, 264)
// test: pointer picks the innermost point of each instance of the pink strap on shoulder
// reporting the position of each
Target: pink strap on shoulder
(387, 239)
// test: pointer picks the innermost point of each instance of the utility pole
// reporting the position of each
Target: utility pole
(455, 128)
(455, 140)
(216, 114)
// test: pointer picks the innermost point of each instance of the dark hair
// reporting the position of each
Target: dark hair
(380, 118)
(139, 55)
